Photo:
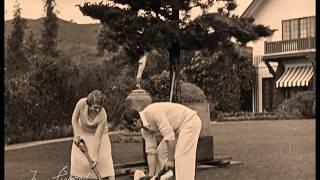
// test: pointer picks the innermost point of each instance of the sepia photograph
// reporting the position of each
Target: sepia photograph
(160, 89)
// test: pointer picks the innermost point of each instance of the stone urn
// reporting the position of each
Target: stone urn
(138, 99)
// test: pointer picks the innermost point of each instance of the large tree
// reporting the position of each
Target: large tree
(15, 57)
(49, 32)
(142, 25)
(31, 45)
(222, 82)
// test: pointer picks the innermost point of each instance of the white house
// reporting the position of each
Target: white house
(286, 61)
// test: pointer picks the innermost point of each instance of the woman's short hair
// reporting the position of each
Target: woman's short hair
(96, 97)
(130, 115)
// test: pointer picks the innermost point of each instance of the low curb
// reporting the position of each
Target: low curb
(42, 142)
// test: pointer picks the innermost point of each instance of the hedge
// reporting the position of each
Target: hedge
(246, 116)
(301, 105)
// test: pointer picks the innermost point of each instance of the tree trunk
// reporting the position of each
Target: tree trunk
(174, 56)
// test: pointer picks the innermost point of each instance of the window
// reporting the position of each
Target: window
(286, 30)
(303, 28)
(312, 26)
(267, 94)
(298, 28)
(294, 29)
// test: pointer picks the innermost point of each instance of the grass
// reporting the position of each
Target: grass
(263, 147)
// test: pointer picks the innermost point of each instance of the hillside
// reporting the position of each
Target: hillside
(78, 41)
(68, 31)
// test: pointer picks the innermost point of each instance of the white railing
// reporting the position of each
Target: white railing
(289, 45)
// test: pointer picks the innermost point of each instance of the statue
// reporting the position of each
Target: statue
(140, 98)
(142, 64)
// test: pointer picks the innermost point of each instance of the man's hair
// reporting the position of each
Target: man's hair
(130, 115)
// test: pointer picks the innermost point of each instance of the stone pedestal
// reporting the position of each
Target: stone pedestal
(203, 111)
(205, 150)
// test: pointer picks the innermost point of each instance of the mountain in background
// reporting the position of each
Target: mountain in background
(78, 41)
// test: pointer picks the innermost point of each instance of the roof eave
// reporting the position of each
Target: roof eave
(251, 8)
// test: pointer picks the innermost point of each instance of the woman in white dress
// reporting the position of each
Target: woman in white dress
(89, 122)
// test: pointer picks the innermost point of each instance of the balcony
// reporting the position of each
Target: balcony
(289, 45)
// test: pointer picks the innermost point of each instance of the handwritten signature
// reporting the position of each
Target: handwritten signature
(61, 176)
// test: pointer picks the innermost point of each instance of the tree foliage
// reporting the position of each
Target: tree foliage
(15, 57)
(222, 80)
(144, 25)
(31, 45)
(49, 32)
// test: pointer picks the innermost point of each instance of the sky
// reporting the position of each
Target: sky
(33, 9)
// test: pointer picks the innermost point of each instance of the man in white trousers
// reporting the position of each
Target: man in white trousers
(180, 127)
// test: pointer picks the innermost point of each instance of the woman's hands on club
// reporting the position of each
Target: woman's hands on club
(94, 164)
(76, 140)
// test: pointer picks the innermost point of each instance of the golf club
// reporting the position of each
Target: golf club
(83, 148)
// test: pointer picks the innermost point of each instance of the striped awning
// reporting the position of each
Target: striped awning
(295, 76)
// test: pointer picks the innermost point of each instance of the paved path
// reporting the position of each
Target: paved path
(37, 143)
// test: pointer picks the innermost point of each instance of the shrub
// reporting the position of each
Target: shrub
(298, 106)
(19, 109)
(159, 87)
(39, 104)
(191, 93)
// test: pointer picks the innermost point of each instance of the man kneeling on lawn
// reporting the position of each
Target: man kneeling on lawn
(180, 127)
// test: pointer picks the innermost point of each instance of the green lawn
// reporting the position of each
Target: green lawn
(264, 148)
